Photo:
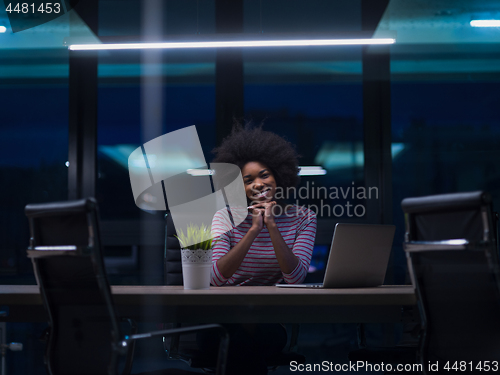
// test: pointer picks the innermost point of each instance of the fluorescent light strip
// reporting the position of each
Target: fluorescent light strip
(485, 23)
(200, 172)
(312, 171)
(56, 248)
(226, 44)
(304, 171)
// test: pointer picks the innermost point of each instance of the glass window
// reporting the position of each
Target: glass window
(143, 95)
(313, 96)
(130, 103)
(33, 135)
(445, 124)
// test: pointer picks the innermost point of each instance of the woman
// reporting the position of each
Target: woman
(274, 242)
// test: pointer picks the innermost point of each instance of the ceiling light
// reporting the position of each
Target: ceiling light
(235, 43)
(485, 23)
(3, 29)
(200, 172)
(312, 171)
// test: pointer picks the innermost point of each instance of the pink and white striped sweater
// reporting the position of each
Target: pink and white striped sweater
(260, 266)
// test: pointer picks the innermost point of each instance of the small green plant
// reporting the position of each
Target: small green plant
(196, 235)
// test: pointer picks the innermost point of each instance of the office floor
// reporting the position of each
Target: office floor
(318, 342)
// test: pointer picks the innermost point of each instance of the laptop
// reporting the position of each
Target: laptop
(358, 258)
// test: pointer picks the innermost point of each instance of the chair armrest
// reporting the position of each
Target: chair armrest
(48, 251)
(223, 346)
(414, 246)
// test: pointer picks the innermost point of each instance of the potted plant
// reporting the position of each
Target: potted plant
(196, 254)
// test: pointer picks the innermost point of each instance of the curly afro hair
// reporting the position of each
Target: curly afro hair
(248, 143)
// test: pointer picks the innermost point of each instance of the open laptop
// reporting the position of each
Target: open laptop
(358, 258)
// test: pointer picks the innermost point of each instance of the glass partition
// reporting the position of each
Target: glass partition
(143, 95)
(445, 78)
(33, 134)
(313, 96)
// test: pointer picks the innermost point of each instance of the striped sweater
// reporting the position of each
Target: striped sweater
(260, 266)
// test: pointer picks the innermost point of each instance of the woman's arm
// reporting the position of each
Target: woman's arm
(287, 260)
(229, 263)
(303, 246)
(294, 262)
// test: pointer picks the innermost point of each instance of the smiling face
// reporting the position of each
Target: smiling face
(259, 181)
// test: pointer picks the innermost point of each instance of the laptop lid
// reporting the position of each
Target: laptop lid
(359, 255)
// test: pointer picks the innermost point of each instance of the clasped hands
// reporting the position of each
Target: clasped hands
(262, 214)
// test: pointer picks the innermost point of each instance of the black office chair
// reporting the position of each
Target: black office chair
(451, 247)
(187, 350)
(84, 332)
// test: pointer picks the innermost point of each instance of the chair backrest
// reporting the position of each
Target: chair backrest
(450, 216)
(457, 281)
(172, 257)
(67, 260)
(460, 296)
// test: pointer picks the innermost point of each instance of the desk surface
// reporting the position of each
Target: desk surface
(233, 304)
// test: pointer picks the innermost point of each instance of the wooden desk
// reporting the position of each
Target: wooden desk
(232, 304)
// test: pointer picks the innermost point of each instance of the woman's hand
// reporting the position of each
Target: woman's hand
(269, 213)
(266, 210)
(257, 218)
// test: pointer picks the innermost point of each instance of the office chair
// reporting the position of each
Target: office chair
(84, 332)
(451, 248)
(187, 350)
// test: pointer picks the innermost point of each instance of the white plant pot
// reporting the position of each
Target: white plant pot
(196, 268)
